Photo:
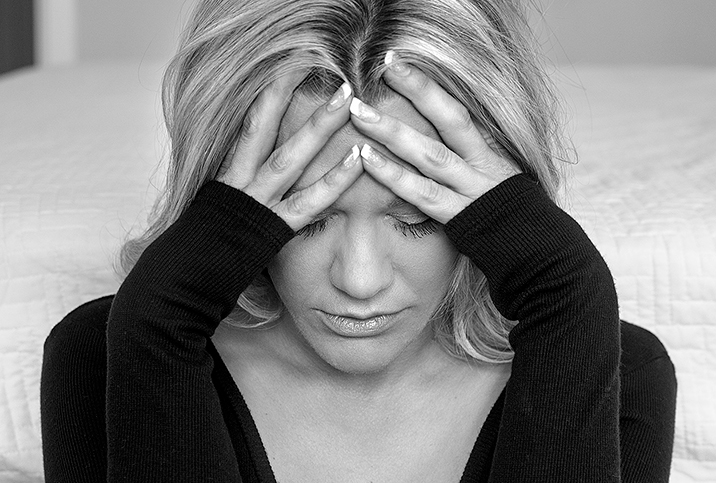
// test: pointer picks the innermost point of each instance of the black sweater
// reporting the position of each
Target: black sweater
(171, 411)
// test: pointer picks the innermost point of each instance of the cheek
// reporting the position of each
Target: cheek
(423, 268)
(296, 270)
(428, 266)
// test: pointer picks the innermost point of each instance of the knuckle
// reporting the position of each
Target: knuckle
(296, 204)
(278, 162)
(438, 154)
(317, 122)
(398, 175)
(330, 179)
(429, 190)
(317, 127)
(463, 120)
(314, 122)
(251, 123)
(248, 131)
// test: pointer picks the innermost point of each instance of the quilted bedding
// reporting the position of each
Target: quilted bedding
(77, 146)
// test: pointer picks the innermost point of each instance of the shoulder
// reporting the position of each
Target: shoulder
(84, 327)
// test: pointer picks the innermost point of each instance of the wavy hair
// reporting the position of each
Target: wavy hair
(480, 51)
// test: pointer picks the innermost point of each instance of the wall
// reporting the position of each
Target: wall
(16, 34)
(629, 31)
(55, 32)
(111, 29)
(69, 31)
(572, 31)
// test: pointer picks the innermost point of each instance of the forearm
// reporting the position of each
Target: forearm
(164, 420)
(560, 420)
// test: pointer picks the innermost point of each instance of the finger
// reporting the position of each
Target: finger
(451, 119)
(430, 156)
(302, 206)
(432, 198)
(259, 131)
(285, 165)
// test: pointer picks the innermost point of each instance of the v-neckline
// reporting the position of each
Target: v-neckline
(248, 444)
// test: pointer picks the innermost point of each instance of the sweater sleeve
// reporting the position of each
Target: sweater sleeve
(561, 412)
(648, 407)
(164, 419)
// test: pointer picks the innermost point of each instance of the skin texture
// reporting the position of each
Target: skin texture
(369, 240)
(266, 174)
(356, 401)
(369, 253)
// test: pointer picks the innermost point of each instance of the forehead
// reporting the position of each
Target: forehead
(340, 143)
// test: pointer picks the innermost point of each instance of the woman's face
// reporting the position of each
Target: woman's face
(361, 283)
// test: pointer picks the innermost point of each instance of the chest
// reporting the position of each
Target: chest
(311, 433)
(361, 443)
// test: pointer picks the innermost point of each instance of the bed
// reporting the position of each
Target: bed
(79, 150)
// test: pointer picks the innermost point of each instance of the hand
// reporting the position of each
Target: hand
(451, 175)
(265, 175)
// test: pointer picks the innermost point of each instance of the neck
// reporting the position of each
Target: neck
(421, 363)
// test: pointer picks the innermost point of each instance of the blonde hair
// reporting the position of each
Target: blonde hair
(479, 51)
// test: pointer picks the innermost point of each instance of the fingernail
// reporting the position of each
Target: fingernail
(339, 98)
(352, 158)
(371, 156)
(363, 111)
(393, 62)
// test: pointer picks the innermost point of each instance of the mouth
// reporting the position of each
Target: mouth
(350, 326)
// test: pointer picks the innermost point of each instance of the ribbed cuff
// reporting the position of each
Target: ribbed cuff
(515, 232)
(238, 204)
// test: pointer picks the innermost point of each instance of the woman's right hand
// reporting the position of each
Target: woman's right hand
(265, 174)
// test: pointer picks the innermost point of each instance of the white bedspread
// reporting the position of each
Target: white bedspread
(645, 191)
(77, 146)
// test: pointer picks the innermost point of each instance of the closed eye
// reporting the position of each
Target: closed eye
(417, 230)
(402, 223)
(313, 228)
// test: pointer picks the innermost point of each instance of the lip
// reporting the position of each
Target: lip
(351, 326)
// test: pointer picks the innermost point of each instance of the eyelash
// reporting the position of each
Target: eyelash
(415, 230)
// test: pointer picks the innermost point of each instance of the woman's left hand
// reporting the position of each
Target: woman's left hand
(451, 175)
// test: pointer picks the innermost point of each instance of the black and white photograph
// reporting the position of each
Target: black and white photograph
(357, 241)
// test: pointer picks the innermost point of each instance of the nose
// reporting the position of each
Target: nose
(362, 267)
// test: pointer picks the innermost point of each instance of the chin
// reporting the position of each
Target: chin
(359, 356)
(367, 355)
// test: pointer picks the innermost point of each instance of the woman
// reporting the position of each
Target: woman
(355, 174)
